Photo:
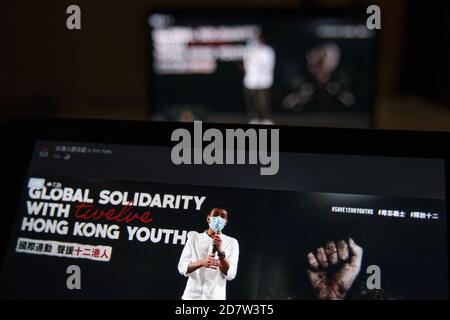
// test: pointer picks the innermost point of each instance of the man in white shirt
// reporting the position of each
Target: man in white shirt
(209, 259)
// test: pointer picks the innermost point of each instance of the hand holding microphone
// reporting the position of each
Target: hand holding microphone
(217, 243)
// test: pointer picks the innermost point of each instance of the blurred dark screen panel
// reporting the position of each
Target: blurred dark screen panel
(426, 66)
(262, 67)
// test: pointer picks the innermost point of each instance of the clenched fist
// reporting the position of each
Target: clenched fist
(333, 270)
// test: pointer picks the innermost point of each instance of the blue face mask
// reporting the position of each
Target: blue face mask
(217, 223)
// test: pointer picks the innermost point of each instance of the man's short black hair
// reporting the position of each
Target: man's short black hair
(217, 209)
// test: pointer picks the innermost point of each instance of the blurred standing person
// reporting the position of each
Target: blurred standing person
(259, 67)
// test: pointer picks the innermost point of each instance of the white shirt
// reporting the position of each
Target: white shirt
(206, 283)
(259, 65)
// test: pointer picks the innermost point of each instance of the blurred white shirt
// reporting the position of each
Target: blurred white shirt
(206, 283)
(259, 65)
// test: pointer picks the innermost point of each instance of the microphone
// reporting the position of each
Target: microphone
(214, 248)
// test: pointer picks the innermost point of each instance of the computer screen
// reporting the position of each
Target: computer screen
(267, 67)
(126, 216)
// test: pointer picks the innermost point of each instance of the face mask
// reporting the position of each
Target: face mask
(217, 224)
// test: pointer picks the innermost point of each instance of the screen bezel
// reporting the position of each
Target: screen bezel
(20, 136)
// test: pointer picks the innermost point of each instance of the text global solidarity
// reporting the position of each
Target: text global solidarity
(115, 198)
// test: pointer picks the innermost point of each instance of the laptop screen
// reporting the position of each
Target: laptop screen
(127, 218)
(262, 68)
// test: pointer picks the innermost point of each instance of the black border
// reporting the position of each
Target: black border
(19, 137)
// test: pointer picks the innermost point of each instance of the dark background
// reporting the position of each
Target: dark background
(101, 71)
(137, 270)
(410, 253)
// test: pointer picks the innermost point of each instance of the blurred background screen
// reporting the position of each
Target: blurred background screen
(267, 67)
(291, 62)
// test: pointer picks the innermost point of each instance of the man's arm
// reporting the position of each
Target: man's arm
(228, 264)
(187, 266)
(194, 266)
(224, 265)
(185, 258)
(208, 262)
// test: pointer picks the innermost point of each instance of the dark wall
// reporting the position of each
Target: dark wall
(426, 66)
(101, 71)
